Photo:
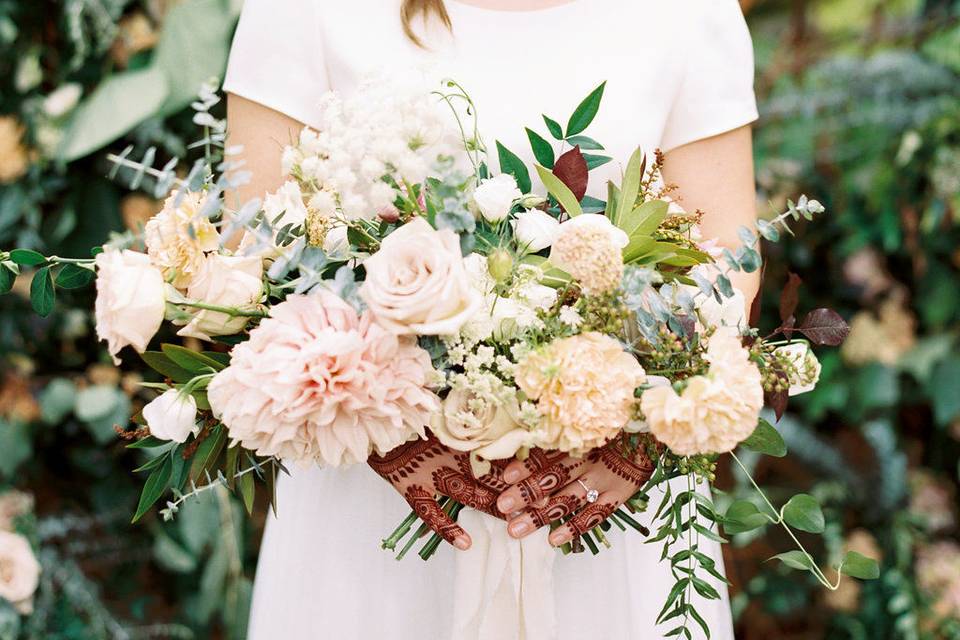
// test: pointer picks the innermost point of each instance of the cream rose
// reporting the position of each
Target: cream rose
(488, 430)
(224, 281)
(172, 416)
(535, 230)
(285, 205)
(19, 571)
(494, 197)
(416, 283)
(130, 300)
(178, 238)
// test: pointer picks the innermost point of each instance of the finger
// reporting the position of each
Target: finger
(466, 490)
(540, 485)
(427, 509)
(537, 460)
(584, 520)
(571, 498)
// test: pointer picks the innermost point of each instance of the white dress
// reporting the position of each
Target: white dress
(677, 71)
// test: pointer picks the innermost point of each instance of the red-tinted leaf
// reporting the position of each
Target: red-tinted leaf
(777, 400)
(789, 297)
(755, 306)
(572, 170)
(824, 326)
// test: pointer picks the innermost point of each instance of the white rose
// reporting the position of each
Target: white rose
(285, 205)
(807, 373)
(488, 430)
(417, 283)
(130, 300)
(21, 571)
(172, 416)
(335, 243)
(224, 281)
(62, 100)
(495, 196)
(535, 230)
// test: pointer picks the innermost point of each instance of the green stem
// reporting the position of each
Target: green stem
(391, 541)
(778, 519)
(230, 311)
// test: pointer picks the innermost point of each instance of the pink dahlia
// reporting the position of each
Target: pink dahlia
(318, 382)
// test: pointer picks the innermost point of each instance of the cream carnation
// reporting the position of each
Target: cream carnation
(716, 411)
(486, 427)
(417, 283)
(130, 300)
(19, 571)
(178, 238)
(584, 390)
(315, 381)
(589, 248)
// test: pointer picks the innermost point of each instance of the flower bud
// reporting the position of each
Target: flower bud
(532, 201)
(500, 264)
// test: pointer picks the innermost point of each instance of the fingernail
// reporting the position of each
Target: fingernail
(558, 538)
(461, 543)
(511, 475)
(518, 529)
(506, 505)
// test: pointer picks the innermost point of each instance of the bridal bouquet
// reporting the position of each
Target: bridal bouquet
(397, 287)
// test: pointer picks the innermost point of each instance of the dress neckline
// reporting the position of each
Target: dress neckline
(472, 7)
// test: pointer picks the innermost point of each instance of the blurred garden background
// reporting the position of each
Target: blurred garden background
(860, 104)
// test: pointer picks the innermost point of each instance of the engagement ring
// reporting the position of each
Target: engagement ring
(592, 494)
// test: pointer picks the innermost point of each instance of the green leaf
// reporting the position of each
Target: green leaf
(585, 143)
(150, 442)
(7, 278)
(542, 150)
(630, 188)
(857, 565)
(767, 440)
(72, 276)
(594, 161)
(247, 491)
(585, 112)
(16, 446)
(154, 487)
(190, 360)
(512, 164)
(644, 220)
(742, 516)
(554, 127)
(795, 559)
(43, 296)
(27, 257)
(638, 247)
(560, 191)
(208, 452)
(803, 512)
(942, 389)
(159, 362)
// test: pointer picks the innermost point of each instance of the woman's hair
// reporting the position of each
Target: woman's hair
(425, 9)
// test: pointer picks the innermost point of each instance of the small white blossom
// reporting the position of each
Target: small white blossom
(570, 317)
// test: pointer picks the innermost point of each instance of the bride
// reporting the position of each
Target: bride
(680, 78)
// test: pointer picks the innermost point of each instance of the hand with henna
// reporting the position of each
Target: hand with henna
(423, 469)
(540, 495)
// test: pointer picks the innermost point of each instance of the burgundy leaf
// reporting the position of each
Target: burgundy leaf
(824, 326)
(777, 400)
(755, 306)
(572, 170)
(790, 297)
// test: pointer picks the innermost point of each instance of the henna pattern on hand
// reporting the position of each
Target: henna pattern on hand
(425, 506)
(558, 507)
(545, 482)
(405, 460)
(589, 517)
(636, 470)
(466, 490)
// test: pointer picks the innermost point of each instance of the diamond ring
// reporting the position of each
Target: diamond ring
(592, 494)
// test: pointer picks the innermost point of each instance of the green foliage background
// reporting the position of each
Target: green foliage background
(860, 103)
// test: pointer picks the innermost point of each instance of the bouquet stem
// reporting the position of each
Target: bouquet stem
(398, 533)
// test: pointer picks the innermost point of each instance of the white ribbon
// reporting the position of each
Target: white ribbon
(504, 587)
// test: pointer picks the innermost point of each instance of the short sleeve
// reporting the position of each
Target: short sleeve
(277, 57)
(716, 88)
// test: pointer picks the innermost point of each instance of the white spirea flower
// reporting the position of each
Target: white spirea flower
(172, 416)
(417, 282)
(21, 571)
(716, 411)
(806, 372)
(130, 301)
(62, 100)
(570, 317)
(495, 196)
(224, 281)
(535, 230)
(178, 238)
(383, 128)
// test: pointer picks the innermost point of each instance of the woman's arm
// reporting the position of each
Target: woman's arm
(716, 176)
(262, 132)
